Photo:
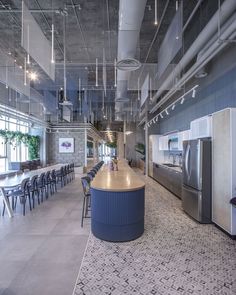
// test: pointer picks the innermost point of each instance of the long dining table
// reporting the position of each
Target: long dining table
(12, 182)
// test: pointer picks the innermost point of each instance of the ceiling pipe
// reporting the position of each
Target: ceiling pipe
(228, 32)
(130, 20)
(210, 29)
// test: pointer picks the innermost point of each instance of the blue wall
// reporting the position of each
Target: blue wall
(215, 92)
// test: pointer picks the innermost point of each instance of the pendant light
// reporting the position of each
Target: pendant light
(96, 72)
(115, 74)
(52, 53)
(64, 55)
(28, 56)
(25, 72)
(156, 22)
(7, 74)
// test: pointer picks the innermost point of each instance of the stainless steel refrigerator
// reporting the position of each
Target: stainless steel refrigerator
(196, 190)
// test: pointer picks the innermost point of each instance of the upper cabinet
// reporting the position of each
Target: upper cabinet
(201, 127)
(163, 143)
(174, 141)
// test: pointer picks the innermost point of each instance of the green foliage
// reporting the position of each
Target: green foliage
(112, 145)
(140, 148)
(89, 145)
(16, 137)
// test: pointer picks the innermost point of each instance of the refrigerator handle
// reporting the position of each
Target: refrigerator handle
(187, 159)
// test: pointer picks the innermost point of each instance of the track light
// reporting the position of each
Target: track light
(173, 107)
(167, 112)
(156, 118)
(194, 93)
(182, 100)
(161, 115)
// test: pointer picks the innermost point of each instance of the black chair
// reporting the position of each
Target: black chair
(48, 183)
(68, 175)
(54, 181)
(42, 185)
(33, 188)
(91, 174)
(22, 193)
(94, 170)
(86, 200)
(73, 171)
(60, 174)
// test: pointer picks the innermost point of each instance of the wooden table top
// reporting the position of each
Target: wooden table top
(125, 179)
(13, 181)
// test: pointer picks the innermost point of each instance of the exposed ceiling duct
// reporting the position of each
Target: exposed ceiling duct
(210, 30)
(130, 20)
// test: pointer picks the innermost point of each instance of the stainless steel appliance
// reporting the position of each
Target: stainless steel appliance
(196, 190)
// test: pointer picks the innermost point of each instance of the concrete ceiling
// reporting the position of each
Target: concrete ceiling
(91, 29)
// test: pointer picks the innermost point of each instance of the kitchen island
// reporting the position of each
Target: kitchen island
(117, 204)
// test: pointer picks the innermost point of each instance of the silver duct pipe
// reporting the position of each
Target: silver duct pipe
(228, 32)
(130, 20)
(227, 9)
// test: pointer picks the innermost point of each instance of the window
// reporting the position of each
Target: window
(12, 152)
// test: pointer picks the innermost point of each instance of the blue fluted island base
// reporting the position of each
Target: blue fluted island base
(117, 216)
(117, 204)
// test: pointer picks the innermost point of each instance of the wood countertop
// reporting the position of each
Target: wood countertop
(125, 179)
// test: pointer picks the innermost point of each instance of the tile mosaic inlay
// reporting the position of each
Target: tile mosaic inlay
(175, 255)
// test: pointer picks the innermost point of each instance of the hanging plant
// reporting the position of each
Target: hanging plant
(140, 148)
(16, 137)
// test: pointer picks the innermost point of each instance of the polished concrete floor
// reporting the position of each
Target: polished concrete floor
(41, 253)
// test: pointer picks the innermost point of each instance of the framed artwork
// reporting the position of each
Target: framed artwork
(66, 145)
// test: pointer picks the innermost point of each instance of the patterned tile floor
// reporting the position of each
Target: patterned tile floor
(175, 255)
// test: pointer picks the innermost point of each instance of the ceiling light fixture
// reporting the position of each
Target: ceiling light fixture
(28, 56)
(115, 73)
(7, 74)
(138, 88)
(52, 53)
(33, 76)
(96, 72)
(25, 82)
(156, 22)
(180, 100)
(176, 5)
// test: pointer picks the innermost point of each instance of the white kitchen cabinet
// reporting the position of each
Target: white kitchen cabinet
(163, 143)
(183, 135)
(224, 169)
(157, 154)
(201, 127)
